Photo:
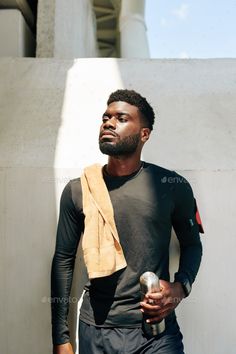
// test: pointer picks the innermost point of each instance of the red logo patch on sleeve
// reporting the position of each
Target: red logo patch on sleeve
(198, 218)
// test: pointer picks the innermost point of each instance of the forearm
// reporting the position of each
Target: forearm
(190, 259)
(187, 231)
(61, 280)
(69, 229)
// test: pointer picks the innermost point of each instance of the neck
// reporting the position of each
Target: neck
(118, 166)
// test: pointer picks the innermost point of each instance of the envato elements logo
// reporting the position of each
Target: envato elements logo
(74, 300)
(57, 180)
(175, 179)
(59, 300)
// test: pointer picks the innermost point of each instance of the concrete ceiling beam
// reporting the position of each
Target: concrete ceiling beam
(103, 10)
(106, 34)
(106, 18)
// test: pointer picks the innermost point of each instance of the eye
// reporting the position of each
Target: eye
(122, 119)
(105, 119)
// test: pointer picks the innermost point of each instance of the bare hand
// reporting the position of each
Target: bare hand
(63, 349)
(157, 306)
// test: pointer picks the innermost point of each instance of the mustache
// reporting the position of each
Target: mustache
(108, 131)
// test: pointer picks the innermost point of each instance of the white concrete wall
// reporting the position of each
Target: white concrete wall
(61, 38)
(45, 107)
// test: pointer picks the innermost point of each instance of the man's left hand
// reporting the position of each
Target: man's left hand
(157, 306)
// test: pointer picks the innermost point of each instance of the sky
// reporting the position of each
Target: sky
(191, 29)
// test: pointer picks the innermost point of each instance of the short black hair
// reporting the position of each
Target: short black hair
(134, 98)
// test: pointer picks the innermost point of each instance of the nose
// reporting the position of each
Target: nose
(110, 123)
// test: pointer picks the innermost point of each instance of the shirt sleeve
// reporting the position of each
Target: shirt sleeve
(69, 230)
(187, 230)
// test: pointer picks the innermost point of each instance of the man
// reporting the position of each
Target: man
(147, 201)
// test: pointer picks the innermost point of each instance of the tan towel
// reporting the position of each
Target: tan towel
(103, 254)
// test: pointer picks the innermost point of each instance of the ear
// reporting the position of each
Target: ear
(145, 133)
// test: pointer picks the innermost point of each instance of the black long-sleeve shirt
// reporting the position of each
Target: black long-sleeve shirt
(146, 206)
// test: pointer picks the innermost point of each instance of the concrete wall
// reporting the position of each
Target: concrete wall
(61, 38)
(45, 108)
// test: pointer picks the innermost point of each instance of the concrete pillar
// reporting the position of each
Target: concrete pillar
(66, 29)
(133, 38)
(45, 29)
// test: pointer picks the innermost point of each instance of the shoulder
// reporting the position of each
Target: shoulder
(178, 183)
(160, 171)
(76, 192)
(183, 193)
(181, 183)
(72, 194)
(75, 185)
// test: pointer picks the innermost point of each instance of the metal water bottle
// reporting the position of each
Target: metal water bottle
(149, 283)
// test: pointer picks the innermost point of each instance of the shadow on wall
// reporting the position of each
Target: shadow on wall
(31, 98)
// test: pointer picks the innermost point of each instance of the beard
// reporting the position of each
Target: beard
(126, 146)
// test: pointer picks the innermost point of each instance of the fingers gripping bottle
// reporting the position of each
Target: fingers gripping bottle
(149, 283)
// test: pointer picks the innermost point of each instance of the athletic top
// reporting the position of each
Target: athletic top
(146, 205)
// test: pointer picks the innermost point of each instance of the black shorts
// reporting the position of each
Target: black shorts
(101, 340)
